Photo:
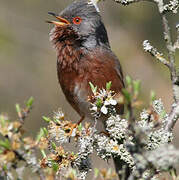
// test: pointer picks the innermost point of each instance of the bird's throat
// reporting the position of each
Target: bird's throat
(68, 56)
(67, 46)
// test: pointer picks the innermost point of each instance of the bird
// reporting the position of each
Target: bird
(84, 55)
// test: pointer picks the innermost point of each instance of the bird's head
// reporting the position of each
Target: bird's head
(80, 22)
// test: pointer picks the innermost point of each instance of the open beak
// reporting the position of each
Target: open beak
(61, 22)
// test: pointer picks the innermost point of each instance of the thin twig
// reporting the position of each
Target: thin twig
(172, 118)
(176, 44)
(127, 2)
(154, 52)
(171, 55)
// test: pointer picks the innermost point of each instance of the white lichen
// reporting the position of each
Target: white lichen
(172, 6)
(158, 138)
(58, 134)
(164, 157)
(116, 126)
(158, 106)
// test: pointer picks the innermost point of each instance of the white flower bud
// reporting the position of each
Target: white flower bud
(113, 102)
(104, 110)
(106, 103)
(94, 108)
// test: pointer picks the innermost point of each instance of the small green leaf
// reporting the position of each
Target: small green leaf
(108, 85)
(51, 160)
(54, 146)
(80, 127)
(136, 85)
(128, 80)
(74, 172)
(109, 171)
(5, 168)
(43, 153)
(96, 172)
(1, 151)
(162, 114)
(30, 102)
(91, 85)
(3, 120)
(99, 103)
(152, 96)
(18, 109)
(56, 121)
(5, 144)
(93, 88)
(127, 95)
(45, 131)
(173, 173)
(40, 134)
(127, 115)
(55, 166)
(46, 119)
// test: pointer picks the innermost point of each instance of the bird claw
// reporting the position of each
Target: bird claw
(74, 126)
(104, 133)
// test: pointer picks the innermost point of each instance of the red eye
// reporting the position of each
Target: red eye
(77, 20)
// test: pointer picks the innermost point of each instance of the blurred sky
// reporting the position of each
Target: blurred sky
(28, 61)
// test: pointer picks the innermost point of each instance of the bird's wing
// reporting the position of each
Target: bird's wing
(102, 66)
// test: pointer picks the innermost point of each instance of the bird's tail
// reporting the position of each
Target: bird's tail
(122, 168)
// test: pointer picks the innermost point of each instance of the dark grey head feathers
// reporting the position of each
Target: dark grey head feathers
(91, 31)
(81, 8)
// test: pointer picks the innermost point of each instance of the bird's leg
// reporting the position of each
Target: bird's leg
(76, 124)
(105, 133)
(82, 118)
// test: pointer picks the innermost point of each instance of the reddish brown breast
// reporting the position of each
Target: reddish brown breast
(99, 67)
(68, 61)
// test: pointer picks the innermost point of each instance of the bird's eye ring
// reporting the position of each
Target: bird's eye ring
(77, 20)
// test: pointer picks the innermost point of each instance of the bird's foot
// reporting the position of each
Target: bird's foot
(74, 126)
(104, 133)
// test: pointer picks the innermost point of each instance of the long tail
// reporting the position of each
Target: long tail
(122, 169)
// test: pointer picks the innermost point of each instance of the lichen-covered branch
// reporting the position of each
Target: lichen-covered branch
(176, 45)
(141, 143)
(171, 56)
(154, 52)
(172, 6)
(171, 47)
(173, 117)
(127, 2)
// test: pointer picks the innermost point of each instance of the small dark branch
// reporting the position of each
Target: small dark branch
(173, 117)
(131, 117)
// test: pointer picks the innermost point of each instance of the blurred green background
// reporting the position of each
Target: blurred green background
(28, 61)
